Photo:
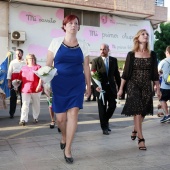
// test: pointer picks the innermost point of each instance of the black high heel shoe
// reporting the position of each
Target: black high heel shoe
(52, 124)
(59, 131)
(62, 145)
(134, 137)
(68, 160)
(142, 147)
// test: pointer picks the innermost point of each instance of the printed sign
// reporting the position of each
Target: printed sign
(42, 24)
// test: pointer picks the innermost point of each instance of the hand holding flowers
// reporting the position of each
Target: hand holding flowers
(96, 78)
(46, 74)
(47, 89)
(16, 83)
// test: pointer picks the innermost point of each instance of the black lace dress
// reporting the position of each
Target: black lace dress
(139, 90)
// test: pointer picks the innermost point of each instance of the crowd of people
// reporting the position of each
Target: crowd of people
(68, 54)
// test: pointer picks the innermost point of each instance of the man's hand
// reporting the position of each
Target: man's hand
(98, 89)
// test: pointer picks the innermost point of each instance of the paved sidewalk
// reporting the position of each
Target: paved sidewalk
(91, 150)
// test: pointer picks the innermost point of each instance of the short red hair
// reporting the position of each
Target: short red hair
(69, 18)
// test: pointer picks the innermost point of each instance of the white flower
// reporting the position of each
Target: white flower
(101, 96)
(46, 73)
(47, 89)
(43, 71)
(16, 84)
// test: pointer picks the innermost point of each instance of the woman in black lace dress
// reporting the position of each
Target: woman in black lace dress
(140, 69)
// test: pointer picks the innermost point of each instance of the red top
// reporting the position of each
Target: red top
(14, 76)
(29, 79)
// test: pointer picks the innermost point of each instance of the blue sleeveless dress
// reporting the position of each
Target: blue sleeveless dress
(68, 86)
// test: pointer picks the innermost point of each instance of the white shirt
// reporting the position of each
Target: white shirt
(104, 58)
(15, 67)
(56, 43)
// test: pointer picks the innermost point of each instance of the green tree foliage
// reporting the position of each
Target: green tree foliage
(162, 40)
(121, 64)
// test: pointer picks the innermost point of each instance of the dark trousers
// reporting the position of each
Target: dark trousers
(92, 93)
(106, 111)
(13, 99)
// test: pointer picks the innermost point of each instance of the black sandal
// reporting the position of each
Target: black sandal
(52, 125)
(134, 137)
(142, 147)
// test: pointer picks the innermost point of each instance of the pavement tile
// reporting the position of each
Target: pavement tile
(37, 147)
(3, 142)
(52, 164)
(85, 162)
(13, 166)
(4, 148)
(48, 142)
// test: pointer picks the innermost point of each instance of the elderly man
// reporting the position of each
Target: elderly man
(107, 68)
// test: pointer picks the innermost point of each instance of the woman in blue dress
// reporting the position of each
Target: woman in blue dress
(70, 57)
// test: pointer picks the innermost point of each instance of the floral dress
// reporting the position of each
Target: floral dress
(139, 90)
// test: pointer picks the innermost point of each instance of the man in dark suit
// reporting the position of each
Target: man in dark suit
(107, 68)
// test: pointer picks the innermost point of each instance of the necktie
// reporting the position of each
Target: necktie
(106, 65)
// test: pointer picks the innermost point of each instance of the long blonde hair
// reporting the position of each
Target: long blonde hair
(33, 56)
(136, 41)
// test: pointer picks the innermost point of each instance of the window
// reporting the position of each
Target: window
(73, 11)
(159, 2)
(88, 18)
(91, 18)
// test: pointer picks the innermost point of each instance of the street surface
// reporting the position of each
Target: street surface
(88, 121)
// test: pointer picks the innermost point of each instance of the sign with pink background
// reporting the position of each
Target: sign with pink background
(42, 24)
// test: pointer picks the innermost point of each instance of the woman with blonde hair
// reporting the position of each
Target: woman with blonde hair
(140, 69)
(31, 88)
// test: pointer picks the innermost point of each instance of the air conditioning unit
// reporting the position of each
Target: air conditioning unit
(18, 36)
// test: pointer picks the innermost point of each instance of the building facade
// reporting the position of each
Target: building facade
(32, 25)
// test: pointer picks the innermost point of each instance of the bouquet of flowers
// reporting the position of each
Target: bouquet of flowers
(96, 78)
(46, 73)
(16, 83)
(47, 89)
(118, 101)
(49, 95)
